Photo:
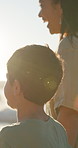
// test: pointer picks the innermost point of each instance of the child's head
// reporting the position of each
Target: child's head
(38, 71)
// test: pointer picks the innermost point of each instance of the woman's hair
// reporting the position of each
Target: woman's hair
(38, 70)
(69, 17)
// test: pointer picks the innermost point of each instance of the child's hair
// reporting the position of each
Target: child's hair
(38, 70)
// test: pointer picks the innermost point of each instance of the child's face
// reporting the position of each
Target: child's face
(9, 94)
(51, 13)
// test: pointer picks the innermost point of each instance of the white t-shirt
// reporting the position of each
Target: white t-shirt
(67, 94)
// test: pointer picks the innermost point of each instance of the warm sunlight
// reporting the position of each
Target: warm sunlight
(4, 52)
(18, 27)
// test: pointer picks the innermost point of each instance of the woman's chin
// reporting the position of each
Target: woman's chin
(10, 105)
(53, 30)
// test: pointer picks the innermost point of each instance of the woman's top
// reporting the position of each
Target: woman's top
(67, 93)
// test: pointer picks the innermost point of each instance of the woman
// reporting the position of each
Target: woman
(62, 17)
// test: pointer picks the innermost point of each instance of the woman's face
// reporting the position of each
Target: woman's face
(51, 13)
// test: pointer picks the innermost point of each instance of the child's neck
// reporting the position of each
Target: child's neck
(30, 110)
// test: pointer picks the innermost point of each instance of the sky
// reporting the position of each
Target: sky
(21, 26)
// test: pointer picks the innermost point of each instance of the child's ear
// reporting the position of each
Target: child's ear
(16, 87)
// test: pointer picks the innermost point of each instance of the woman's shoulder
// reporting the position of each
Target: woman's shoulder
(65, 43)
(68, 45)
(69, 42)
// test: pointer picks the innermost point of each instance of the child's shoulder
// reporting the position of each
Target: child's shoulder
(60, 132)
(7, 130)
(56, 123)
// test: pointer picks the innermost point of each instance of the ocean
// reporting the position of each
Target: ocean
(7, 115)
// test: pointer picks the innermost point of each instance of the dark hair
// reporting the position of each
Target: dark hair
(38, 70)
(69, 17)
(56, 1)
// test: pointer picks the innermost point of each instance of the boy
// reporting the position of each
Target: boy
(34, 74)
